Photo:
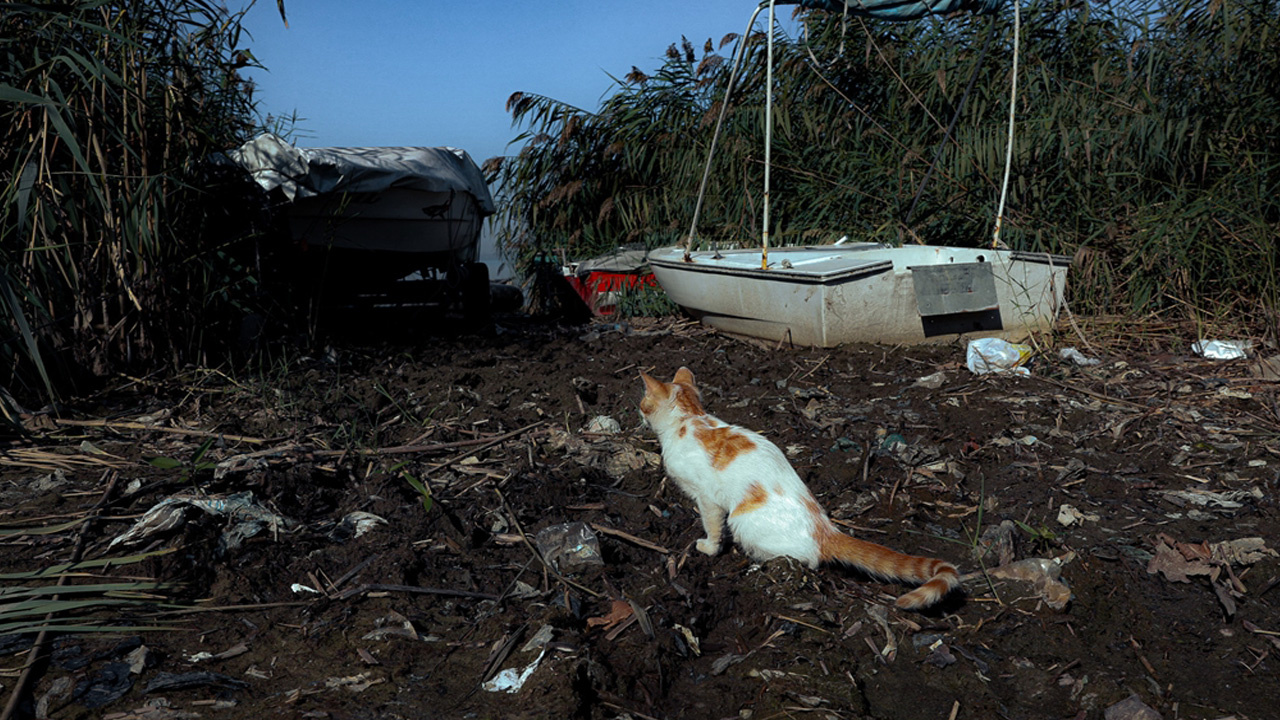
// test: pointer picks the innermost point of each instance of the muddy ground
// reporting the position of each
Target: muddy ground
(1164, 464)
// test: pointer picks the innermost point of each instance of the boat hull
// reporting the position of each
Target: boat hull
(830, 295)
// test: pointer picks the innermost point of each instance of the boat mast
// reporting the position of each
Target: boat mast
(738, 54)
(768, 141)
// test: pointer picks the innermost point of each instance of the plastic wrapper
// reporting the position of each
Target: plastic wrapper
(993, 355)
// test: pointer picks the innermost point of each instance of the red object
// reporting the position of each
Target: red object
(598, 288)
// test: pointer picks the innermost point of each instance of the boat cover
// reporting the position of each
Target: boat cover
(898, 9)
(629, 260)
(309, 172)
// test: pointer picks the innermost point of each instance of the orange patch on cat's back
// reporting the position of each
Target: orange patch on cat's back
(723, 444)
(755, 499)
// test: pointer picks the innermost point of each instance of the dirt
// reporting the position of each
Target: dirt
(1161, 453)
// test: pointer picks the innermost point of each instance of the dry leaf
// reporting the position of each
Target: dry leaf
(619, 611)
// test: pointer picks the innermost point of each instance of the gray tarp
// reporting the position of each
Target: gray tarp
(898, 9)
(308, 172)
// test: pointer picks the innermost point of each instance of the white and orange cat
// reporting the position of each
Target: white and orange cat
(733, 471)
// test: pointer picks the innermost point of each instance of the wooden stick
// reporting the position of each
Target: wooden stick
(416, 590)
(629, 538)
(126, 425)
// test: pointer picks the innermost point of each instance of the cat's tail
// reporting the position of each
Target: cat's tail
(938, 577)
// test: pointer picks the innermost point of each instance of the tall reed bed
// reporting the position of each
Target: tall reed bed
(1147, 145)
(112, 255)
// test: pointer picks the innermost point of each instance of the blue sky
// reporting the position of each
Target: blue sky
(426, 72)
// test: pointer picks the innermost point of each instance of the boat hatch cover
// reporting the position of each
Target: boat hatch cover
(954, 288)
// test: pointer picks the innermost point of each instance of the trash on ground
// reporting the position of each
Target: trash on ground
(1222, 349)
(940, 655)
(612, 456)
(569, 547)
(993, 355)
(1228, 500)
(511, 681)
(359, 522)
(1068, 515)
(1077, 357)
(931, 382)
(539, 639)
(1131, 708)
(1045, 574)
(603, 425)
(880, 614)
(395, 625)
(1179, 561)
(691, 640)
(247, 516)
(999, 541)
(105, 685)
(354, 683)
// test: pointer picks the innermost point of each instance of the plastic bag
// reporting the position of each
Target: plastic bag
(993, 355)
(1222, 349)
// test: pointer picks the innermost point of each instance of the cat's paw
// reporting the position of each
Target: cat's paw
(708, 547)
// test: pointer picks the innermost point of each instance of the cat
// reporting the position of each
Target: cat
(729, 470)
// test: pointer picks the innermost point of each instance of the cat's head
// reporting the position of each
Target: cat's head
(678, 398)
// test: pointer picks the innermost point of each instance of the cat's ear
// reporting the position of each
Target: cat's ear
(684, 377)
(653, 387)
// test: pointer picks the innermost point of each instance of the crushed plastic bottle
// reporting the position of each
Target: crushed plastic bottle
(1222, 349)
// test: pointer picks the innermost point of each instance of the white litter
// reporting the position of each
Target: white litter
(1222, 349)
(509, 680)
(1077, 357)
(993, 355)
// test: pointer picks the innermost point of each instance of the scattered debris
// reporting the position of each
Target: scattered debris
(1222, 349)
(1179, 562)
(1077, 357)
(603, 425)
(619, 611)
(1068, 515)
(993, 355)
(1045, 575)
(539, 639)
(880, 614)
(354, 683)
(356, 524)
(395, 625)
(1229, 500)
(510, 680)
(1266, 368)
(108, 683)
(691, 640)
(570, 547)
(997, 543)
(932, 381)
(1131, 708)
(247, 517)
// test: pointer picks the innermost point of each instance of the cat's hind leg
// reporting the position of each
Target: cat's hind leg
(713, 524)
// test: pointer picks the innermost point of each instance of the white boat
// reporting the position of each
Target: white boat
(863, 292)
(374, 215)
(829, 295)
